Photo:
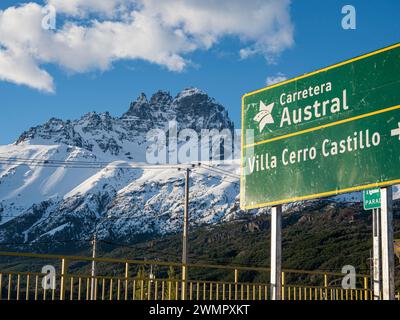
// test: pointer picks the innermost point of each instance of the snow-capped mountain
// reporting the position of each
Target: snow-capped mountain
(41, 200)
(125, 137)
(62, 180)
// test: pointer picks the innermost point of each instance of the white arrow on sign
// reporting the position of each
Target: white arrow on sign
(396, 131)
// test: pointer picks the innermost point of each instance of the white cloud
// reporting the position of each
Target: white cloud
(265, 24)
(81, 8)
(160, 32)
(21, 69)
(279, 77)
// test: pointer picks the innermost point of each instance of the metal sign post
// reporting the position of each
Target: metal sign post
(387, 244)
(376, 253)
(276, 253)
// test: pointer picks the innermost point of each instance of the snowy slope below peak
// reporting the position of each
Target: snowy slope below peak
(23, 184)
(111, 176)
(137, 200)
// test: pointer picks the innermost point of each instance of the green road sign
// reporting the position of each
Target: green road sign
(372, 198)
(332, 131)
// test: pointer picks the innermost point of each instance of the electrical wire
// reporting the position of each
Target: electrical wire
(86, 165)
(216, 169)
(215, 177)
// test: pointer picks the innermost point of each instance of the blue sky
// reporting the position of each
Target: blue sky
(318, 41)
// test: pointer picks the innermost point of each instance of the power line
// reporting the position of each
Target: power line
(215, 177)
(216, 169)
(86, 165)
(102, 164)
(52, 161)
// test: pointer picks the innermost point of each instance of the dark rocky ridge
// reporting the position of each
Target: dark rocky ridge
(191, 108)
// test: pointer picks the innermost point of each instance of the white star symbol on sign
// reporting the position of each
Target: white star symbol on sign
(264, 116)
(396, 131)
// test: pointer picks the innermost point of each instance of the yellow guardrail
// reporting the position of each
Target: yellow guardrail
(73, 281)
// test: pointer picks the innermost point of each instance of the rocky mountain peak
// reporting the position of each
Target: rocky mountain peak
(96, 121)
(141, 99)
(161, 98)
(189, 92)
(126, 135)
(138, 106)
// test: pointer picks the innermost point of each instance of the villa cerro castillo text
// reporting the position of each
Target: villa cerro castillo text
(327, 148)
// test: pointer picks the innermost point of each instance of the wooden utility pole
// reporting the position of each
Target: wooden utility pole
(185, 238)
(93, 273)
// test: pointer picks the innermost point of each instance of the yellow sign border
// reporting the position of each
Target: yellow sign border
(323, 194)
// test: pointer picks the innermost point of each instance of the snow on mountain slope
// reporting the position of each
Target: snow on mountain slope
(125, 202)
(154, 202)
(41, 200)
(22, 185)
